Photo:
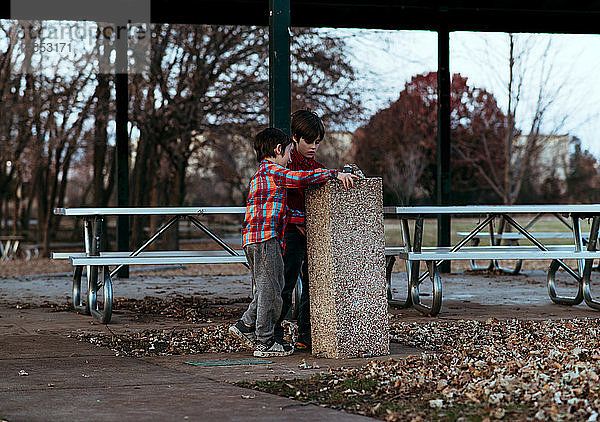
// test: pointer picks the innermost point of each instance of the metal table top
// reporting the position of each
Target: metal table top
(593, 209)
(149, 211)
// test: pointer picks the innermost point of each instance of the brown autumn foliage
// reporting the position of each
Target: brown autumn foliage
(400, 143)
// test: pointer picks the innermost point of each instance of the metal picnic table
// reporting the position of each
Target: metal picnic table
(99, 277)
(582, 249)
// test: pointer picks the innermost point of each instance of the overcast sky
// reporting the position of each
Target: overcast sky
(566, 65)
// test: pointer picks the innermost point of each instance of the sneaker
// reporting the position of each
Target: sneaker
(272, 348)
(244, 334)
(304, 342)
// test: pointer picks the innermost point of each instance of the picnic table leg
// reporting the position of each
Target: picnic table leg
(587, 270)
(12, 247)
(99, 280)
(101, 309)
(434, 276)
(497, 242)
(82, 308)
(475, 242)
(517, 268)
(7, 253)
(436, 295)
(551, 283)
(407, 302)
(494, 263)
(79, 306)
(579, 241)
(584, 239)
(390, 260)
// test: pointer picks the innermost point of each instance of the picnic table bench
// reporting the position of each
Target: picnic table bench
(513, 238)
(97, 262)
(413, 253)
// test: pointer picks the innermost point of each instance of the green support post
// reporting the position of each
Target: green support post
(122, 150)
(279, 65)
(443, 138)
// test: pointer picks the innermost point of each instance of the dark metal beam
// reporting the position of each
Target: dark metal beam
(556, 16)
(279, 65)
(443, 138)
(5, 10)
(122, 150)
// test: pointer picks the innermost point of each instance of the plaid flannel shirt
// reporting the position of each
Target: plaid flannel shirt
(296, 210)
(266, 207)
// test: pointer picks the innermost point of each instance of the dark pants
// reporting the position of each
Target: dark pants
(295, 259)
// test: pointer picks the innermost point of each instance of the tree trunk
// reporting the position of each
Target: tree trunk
(144, 171)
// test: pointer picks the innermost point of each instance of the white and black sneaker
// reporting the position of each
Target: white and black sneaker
(244, 334)
(272, 348)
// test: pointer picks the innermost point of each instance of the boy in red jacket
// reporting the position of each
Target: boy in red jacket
(307, 133)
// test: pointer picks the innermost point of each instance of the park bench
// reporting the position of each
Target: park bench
(513, 238)
(32, 250)
(413, 253)
(510, 239)
(97, 263)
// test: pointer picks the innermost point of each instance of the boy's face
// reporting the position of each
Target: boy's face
(306, 149)
(283, 156)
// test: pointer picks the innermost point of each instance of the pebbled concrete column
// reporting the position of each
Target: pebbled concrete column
(346, 266)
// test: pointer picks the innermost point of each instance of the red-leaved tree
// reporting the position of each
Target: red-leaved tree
(399, 142)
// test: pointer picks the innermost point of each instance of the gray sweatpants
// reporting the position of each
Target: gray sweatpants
(266, 264)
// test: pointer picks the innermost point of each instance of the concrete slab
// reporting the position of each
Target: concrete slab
(15, 347)
(176, 402)
(299, 365)
(111, 388)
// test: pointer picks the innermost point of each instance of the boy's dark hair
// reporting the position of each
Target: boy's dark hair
(267, 140)
(306, 124)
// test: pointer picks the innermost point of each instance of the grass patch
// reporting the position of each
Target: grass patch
(370, 397)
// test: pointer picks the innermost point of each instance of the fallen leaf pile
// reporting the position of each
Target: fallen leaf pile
(472, 370)
(194, 309)
(213, 339)
(65, 306)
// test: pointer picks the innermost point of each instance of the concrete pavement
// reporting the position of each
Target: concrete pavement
(65, 379)
(62, 379)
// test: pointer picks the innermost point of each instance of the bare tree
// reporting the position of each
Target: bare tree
(530, 64)
(402, 177)
(41, 132)
(207, 94)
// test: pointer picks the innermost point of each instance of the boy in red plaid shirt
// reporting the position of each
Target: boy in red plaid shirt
(262, 238)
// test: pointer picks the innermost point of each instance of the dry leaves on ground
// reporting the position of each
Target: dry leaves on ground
(514, 370)
(213, 339)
